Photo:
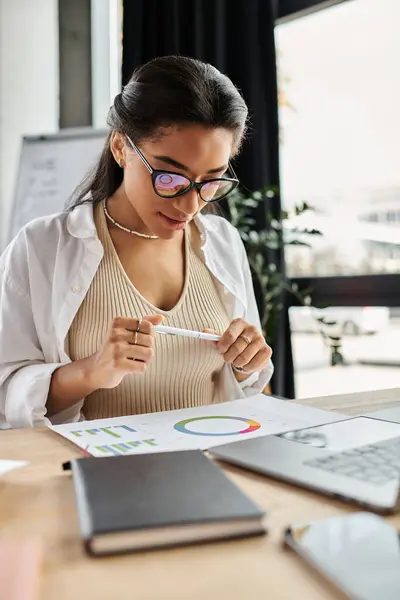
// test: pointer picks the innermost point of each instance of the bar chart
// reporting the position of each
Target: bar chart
(109, 430)
(117, 449)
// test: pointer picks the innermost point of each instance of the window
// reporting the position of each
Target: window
(368, 345)
(339, 97)
(340, 122)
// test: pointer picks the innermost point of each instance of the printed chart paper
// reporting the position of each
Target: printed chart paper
(193, 428)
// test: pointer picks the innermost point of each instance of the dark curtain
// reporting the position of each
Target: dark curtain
(237, 36)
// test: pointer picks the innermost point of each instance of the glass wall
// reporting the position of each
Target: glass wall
(339, 96)
(340, 123)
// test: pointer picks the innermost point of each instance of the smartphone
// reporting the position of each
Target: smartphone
(359, 553)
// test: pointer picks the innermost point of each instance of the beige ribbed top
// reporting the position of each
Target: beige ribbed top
(184, 371)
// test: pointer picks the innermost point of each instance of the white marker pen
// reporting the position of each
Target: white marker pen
(186, 333)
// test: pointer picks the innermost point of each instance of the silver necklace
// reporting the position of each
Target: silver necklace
(143, 235)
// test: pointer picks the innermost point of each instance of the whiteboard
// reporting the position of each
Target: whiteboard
(50, 168)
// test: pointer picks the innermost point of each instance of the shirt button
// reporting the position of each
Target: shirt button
(76, 289)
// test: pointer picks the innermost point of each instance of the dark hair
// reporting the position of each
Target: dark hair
(170, 90)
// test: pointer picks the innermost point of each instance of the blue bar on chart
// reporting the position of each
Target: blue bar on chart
(108, 450)
(107, 430)
(124, 447)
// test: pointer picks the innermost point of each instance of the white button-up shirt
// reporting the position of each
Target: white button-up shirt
(45, 273)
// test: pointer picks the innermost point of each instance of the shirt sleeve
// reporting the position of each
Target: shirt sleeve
(256, 382)
(25, 375)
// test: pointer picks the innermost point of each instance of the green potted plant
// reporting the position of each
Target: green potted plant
(261, 245)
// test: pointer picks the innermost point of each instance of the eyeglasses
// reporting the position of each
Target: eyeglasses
(168, 184)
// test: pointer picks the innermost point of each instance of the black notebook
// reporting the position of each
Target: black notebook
(155, 500)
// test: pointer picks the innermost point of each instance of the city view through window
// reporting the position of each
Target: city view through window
(339, 91)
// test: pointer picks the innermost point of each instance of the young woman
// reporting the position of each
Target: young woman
(81, 291)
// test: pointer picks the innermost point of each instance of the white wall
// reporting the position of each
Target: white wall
(29, 85)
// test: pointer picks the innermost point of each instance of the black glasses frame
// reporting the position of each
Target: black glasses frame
(193, 184)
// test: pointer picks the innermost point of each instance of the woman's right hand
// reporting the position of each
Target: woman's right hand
(119, 355)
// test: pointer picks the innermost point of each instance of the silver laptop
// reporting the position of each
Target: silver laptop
(386, 414)
(356, 460)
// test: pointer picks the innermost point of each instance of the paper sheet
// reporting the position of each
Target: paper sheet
(9, 465)
(193, 428)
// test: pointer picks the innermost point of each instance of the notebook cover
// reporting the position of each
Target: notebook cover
(127, 493)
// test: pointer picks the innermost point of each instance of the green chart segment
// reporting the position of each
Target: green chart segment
(124, 447)
(111, 431)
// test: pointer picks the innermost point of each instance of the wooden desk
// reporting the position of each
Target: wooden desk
(39, 500)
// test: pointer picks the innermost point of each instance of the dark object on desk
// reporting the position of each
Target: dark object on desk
(359, 553)
(153, 500)
(356, 460)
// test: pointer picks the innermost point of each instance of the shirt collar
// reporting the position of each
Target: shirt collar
(212, 253)
(80, 221)
(205, 226)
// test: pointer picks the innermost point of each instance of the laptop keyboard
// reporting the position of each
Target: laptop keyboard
(376, 463)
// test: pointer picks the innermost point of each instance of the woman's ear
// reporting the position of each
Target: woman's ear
(117, 147)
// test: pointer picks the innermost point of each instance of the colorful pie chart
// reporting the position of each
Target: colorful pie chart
(243, 426)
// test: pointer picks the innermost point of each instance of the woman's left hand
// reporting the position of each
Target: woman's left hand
(244, 347)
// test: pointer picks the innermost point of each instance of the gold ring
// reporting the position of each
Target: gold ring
(245, 338)
(137, 330)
